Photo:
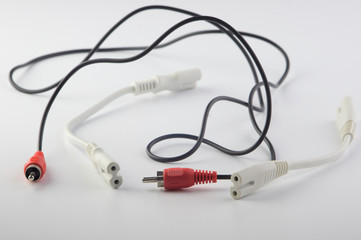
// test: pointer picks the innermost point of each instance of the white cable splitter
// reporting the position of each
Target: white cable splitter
(252, 178)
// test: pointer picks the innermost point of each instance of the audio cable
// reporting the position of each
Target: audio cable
(245, 181)
(222, 26)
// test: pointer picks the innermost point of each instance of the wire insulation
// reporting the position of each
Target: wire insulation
(318, 161)
(223, 27)
(88, 113)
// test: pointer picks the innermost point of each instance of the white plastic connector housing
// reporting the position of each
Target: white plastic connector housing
(346, 118)
(106, 166)
(252, 178)
(173, 82)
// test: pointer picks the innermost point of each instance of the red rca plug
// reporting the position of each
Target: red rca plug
(35, 168)
(177, 178)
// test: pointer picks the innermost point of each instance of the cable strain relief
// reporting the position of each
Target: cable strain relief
(346, 119)
(145, 86)
(204, 176)
(282, 168)
(90, 148)
(273, 173)
(348, 128)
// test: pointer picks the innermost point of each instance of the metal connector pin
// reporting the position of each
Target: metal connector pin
(158, 179)
(31, 176)
(150, 179)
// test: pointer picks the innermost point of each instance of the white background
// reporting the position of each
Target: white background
(73, 202)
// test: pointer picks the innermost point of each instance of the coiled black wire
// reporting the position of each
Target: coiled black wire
(223, 28)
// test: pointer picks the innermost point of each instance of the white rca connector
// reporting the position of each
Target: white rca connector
(252, 178)
(105, 165)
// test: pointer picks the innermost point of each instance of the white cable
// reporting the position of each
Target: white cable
(252, 178)
(173, 82)
(315, 162)
(106, 166)
(90, 112)
(347, 126)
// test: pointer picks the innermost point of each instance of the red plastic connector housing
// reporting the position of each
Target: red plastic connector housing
(177, 178)
(35, 168)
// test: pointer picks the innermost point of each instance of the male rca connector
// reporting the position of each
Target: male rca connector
(178, 178)
(35, 167)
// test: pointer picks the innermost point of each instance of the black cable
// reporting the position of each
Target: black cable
(77, 51)
(124, 19)
(132, 48)
(224, 27)
(86, 50)
(223, 176)
(152, 7)
(143, 53)
(201, 138)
